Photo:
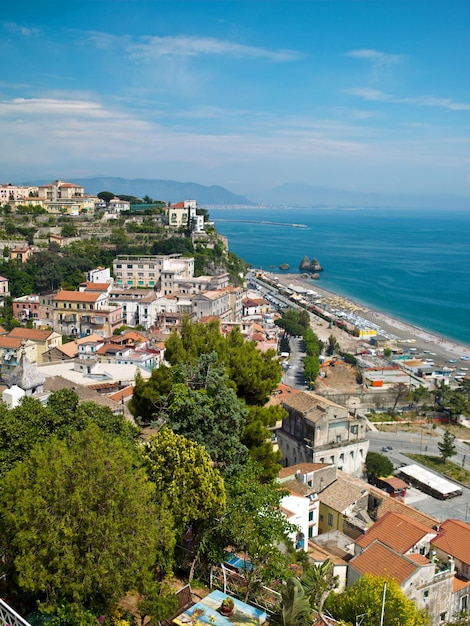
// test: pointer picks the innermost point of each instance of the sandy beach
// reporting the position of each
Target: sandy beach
(441, 348)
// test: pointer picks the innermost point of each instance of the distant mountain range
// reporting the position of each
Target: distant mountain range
(167, 190)
(310, 195)
(290, 194)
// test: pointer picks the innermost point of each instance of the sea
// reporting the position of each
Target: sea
(412, 264)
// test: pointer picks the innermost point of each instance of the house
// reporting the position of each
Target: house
(83, 313)
(212, 304)
(343, 506)
(21, 253)
(26, 307)
(11, 349)
(4, 288)
(420, 578)
(301, 504)
(318, 430)
(184, 215)
(44, 339)
(453, 539)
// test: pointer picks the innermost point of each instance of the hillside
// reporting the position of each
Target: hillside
(167, 190)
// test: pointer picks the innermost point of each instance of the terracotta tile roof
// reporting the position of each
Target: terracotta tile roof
(341, 494)
(10, 342)
(70, 349)
(454, 538)
(118, 396)
(89, 338)
(379, 560)
(303, 468)
(97, 286)
(399, 532)
(297, 488)
(388, 504)
(30, 333)
(76, 296)
(458, 584)
(395, 483)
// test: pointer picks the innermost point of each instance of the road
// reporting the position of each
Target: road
(401, 442)
(294, 375)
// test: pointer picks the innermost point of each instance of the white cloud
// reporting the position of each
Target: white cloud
(183, 46)
(376, 95)
(12, 27)
(376, 57)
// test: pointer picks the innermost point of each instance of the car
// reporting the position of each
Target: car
(451, 360)
(465, 358)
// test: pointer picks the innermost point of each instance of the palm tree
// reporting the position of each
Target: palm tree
(318, 582)
(295, 608)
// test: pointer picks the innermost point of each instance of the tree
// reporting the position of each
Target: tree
(106, 196)
(257, 438)
(80, 520)
(365, 598)
(378, 465)
(447, 446)
(182, 472)
(318, 582)
(420, 394)
(333, 346)
(203, 407)
(254, 525)
(295, 608)
(311, 368)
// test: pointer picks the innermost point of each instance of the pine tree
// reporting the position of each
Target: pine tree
(446, 446)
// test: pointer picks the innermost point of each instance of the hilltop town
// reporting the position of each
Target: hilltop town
(253, 405)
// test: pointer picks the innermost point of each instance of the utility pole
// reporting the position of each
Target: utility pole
(383, 605)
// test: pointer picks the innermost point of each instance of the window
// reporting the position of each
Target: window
(426, 594)
(310, 516)
(442, 616)
(354, 430)
(330, 519)
(463, 603)
(310, 531)
(322, 517)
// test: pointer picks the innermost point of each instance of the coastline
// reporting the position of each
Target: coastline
(442, 348)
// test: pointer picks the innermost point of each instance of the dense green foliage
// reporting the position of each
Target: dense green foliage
(378, 465)
(79, 520)
(365, 598)
(184, 478)
(31, 423)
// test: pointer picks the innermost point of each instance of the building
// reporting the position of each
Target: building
(184, 215)
(212, 304)
(4, 288)
(301, 505)
(144, 271)
(82, 313)
(10, 192)
(318, 430)
(140, 307)
(44, 339)
(21, 253)
(343, 506)
(11, 349)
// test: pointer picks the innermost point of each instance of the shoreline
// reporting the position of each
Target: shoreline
(444, 347)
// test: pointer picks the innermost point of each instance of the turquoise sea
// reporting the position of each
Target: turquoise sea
(411, 264)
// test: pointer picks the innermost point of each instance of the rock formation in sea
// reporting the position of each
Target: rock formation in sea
(306, 265)
(284, 266)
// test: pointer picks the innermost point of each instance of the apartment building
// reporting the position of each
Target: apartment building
(318, 430)
(144, 271)
(44, 339)
(83, 313)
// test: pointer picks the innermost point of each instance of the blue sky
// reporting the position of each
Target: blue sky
(248, 94)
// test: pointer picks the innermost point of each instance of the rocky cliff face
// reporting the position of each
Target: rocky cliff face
(306, 265)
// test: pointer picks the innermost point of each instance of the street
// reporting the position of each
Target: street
(457, 508)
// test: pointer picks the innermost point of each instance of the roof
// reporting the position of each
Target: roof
(90, 286)
(379, 560)
(387, 503)
(454, 538)
(297, 487)
(396, 531)
(10, 342)
(341, 494)
(305, 402)
(395, 483)
(302, 468)
(76, 296)
(31, 333)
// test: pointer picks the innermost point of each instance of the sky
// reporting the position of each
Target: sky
(370, 96)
